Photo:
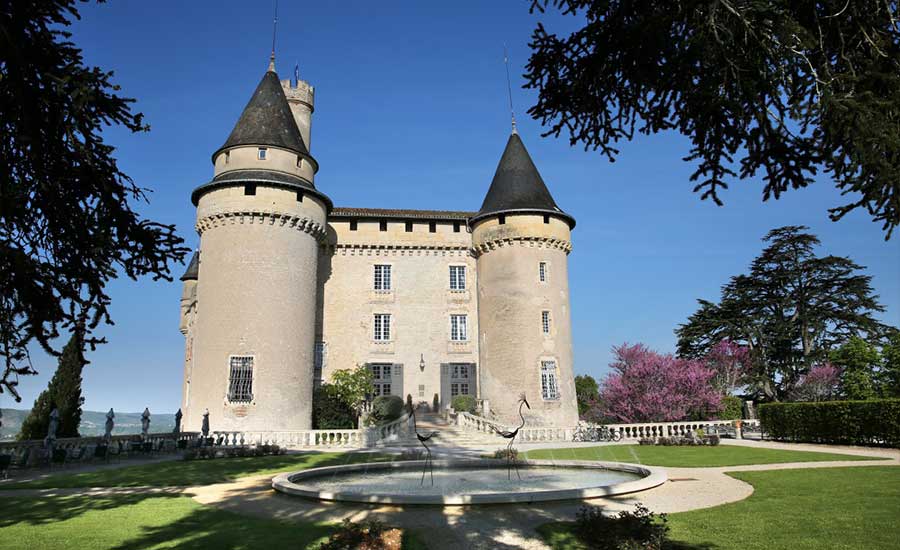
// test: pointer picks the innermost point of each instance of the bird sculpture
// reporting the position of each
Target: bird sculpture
(511, 436)
(429, 466)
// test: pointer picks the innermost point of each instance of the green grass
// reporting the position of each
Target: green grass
(194, 472)
(686, 457)
(138, 522)
(827, 508)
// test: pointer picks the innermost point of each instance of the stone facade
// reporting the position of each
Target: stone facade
(283, 291)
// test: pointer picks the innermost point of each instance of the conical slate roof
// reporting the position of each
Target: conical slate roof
(518, 187)
(267, 120)
(193, 269)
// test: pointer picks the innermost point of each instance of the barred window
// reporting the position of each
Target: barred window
(545, 322)
(457, 277)
(382, 277)
(549, 385)
(319, 358)
(542, 272)
(382, 326)
(458, 328)
(240, 379)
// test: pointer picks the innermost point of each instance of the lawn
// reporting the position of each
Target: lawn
(827, 508)
(194, 472)
(686, 457)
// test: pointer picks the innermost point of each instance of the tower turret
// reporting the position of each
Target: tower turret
(521, 240)
(260, 220)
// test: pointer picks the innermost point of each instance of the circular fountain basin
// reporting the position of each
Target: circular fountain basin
(462, 482)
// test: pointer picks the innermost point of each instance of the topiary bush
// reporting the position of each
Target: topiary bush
(870, 422)
(732, 408)
(387, 408)
(463, 403)
(330, 413)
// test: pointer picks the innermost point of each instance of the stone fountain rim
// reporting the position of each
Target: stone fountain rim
(651, 477)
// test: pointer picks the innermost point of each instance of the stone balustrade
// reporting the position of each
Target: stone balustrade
(71, 444)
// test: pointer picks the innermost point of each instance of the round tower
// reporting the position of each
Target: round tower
(260, 221)
(521, 240)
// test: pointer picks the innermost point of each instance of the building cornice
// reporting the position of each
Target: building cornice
(387, 249)
(262, 217)
(530, 242)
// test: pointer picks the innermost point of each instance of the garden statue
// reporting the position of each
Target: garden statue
(205, 427)
(429, 465)
(511, 436)
(177, 422)
(110, 422)
(52, 427)
(145, 422)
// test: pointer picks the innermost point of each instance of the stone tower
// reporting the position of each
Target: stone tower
(521, 240)
(260, 221)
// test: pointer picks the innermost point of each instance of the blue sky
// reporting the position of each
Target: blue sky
(411, 112)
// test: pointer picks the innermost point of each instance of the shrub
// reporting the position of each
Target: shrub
(387, 408)
(646, 441)
(331, 413)
(463, 403)
(871, 422)
(506, 452)
(436, 404)
(732, 408)
(640, 529)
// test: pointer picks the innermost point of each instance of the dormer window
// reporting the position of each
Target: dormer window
(261, 153)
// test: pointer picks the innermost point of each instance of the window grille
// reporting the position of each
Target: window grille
(240, 379)
(545, 322)
(464, 389)
(381, 389)
(382, 277)
(380, 371)
(382, 326)
(457, 277)
(542, 271)
(454, 390)
(458, 328)
(549, 385)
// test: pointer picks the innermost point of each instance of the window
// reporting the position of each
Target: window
(382, 277)
(382, 327)
(545, 322)
(461, 388)
(240, 379)
(381, 374)
(227, 156)
(299, 196)
(502, 219)
(432, 227)
(409, 227)
(299, 161)
(250, 189)
(457, 277)
(261, 153)
(459, 370)
(458, 328)
(542, 272)
(549, 386)
(382, 225)
(318, 363)
(456, 227)
(546, 218)
(352, 225)
(421, 390)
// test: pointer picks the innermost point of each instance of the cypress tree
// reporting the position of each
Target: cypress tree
(64, 392)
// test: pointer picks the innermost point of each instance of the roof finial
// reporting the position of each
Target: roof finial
(512, 113)
(274, 29)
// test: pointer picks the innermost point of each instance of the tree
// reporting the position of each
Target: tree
(858, 361)
(63, 392)
(67, 226)
(586, 391)
(646, 386)
(889, 377)
(330, 413)
(790, 311)
(729, 362)
(772, 87)
(351, 387)
(821, 383)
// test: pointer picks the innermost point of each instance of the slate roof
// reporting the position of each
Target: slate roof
(193, 268)
(268, 177)
(518, 188)
(267, 120)
(347, 212)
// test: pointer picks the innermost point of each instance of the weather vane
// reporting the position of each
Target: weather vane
(512, 113)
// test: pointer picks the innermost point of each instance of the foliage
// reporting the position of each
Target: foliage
(330, 413)
(506, 453)
(646, 386)
(732, 408)
(586, 391)
(63, 392)
(436, 404)
(889, 377)
(628, 530)
(781, 88)
(684, 441)
(68, 227)
(789, 311)
(387, 408)
(870, 422)
(858, 361)
(351, 386)
(821, 383)
(200, 453)
(464, 403)
(730, 362)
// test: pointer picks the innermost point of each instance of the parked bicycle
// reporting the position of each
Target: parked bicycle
(591, 432)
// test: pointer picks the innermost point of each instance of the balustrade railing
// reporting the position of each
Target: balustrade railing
(34, 450)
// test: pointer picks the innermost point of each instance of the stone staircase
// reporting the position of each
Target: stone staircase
(449, 437)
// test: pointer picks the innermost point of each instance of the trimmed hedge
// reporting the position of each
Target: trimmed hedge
(732, 408)
(870, 422)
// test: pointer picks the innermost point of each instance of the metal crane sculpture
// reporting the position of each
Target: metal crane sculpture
(429, 465)
(511, 436)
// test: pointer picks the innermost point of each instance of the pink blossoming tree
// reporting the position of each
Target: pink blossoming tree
(819, 384)
(731, 364)
(646, 386)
